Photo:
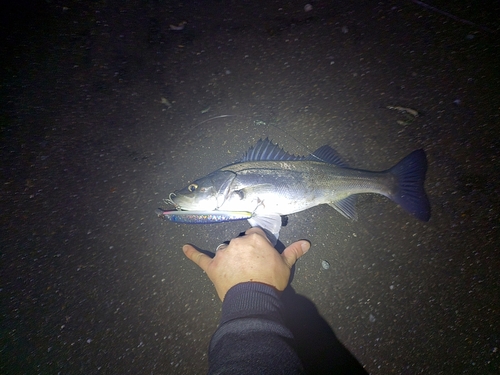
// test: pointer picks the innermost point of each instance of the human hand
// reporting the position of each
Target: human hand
(248, 258)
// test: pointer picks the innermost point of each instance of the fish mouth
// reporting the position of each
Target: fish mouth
(183, 202)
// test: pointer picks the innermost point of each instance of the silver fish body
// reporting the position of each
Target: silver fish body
(286, 187)
(269, 182)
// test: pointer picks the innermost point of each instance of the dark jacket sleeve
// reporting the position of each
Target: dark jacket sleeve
(252, 337)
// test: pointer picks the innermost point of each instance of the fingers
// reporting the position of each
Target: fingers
(295, 251)
(202, 260)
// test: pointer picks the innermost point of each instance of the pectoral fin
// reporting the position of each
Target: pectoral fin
(254, 191)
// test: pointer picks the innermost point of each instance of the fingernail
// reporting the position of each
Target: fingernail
(305, 246)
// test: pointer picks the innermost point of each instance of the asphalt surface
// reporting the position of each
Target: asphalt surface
(105, 111)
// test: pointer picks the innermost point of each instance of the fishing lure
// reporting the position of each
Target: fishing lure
(202, 217)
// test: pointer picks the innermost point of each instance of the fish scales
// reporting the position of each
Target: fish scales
(304, 184)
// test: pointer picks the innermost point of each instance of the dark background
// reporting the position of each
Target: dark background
(93, 282)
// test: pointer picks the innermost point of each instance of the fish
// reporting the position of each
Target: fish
(202, 217)
(269, 183)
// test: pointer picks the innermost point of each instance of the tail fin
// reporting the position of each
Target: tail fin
(410, 194)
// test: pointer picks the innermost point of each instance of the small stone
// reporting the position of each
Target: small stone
(325, 264)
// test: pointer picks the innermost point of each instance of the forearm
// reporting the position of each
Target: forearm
(252, 337)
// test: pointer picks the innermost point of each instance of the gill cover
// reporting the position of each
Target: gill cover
(223, 180)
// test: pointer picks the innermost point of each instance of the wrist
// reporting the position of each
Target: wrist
(251, 299)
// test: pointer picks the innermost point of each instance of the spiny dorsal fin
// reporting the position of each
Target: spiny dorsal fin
(267, 150)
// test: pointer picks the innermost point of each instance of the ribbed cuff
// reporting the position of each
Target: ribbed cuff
(251, 300)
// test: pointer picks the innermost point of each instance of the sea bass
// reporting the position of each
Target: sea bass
(269, 182)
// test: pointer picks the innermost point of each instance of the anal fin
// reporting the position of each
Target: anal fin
(347, 207)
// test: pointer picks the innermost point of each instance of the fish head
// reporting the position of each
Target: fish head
(207, 193)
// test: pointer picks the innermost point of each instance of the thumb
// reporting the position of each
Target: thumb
(293, 252)
(202, 260)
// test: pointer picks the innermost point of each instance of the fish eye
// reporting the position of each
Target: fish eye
(192, 187)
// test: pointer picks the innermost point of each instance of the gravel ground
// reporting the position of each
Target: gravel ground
(105, 110)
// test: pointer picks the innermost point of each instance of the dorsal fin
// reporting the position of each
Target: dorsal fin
(328, 155)
(267, 150)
